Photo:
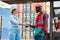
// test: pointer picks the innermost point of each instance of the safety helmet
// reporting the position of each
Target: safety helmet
(13, 6)
(38, 5)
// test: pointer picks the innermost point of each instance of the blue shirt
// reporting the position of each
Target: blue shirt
(14, 28)
(14, 20)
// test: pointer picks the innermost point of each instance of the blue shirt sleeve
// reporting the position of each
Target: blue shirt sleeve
(14, 19)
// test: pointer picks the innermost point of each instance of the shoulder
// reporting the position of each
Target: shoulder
(45, 14)
(11, 16)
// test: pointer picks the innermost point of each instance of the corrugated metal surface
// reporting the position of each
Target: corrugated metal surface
(23, 1)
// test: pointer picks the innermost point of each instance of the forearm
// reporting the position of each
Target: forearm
(33, 26)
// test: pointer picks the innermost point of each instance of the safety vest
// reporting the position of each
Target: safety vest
(39, 20)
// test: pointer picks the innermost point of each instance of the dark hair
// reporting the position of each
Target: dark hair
(13, 11)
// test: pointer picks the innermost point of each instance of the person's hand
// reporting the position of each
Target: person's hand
(27, 25)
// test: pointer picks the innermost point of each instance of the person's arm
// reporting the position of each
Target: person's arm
(14, 20)
(45, 19)
(28, 25)
(33, 26)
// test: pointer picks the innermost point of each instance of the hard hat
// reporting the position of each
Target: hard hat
(13, 6)
(38, 4)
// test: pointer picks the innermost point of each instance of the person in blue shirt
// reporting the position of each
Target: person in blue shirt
(15, 33)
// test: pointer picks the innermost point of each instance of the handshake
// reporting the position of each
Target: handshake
(26, 25)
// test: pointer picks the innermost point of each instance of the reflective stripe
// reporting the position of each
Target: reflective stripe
(40, 22)
(46, 28)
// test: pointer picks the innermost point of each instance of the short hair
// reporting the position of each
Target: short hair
(13, 11)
